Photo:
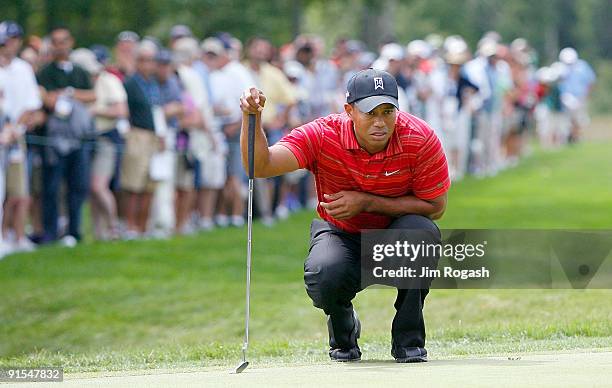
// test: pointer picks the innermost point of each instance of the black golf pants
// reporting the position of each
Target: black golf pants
(332, 276)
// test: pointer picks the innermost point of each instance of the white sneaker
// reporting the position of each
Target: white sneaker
(24, 245)
(238, 221)
(68, 241)
(206, 224)
(130, 235)
(222, 220)
(187, 230)
(121, 227)
(267, 221)
(157, 234)
(5, 249)
(282, 212)
(10, 238)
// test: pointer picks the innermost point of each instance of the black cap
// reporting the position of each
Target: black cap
(370, 88)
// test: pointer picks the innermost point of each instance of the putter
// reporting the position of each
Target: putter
(251, 156)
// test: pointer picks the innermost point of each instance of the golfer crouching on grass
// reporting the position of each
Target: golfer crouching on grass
(375, 168)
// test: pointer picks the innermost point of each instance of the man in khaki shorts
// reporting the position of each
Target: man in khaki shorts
(21, 105)
(110, 110)
(141, 143)
(17, 197)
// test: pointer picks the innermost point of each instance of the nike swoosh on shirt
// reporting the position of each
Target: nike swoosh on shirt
(391, 173)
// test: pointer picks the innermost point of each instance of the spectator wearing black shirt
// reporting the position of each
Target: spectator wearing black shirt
(141, 143)
(65, 87)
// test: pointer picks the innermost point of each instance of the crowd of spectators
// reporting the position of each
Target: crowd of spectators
(149, 134)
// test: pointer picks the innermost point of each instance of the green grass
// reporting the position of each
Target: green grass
(180, 303)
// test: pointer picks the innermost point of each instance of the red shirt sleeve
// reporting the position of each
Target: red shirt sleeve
(431, 169)
(305, 143)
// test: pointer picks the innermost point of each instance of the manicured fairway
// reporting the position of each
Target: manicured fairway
(179, 303)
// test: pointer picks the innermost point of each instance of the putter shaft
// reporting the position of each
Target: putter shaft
(245, 345)
(251, 160)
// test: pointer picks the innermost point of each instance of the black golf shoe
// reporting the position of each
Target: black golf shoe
(409, 354)
(350, 354)
(345, 355)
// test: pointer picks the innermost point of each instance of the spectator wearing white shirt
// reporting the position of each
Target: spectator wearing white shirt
(281, 100)
(491, 76)
(575, 89)
(204, 141)
(21, 106)
(457, 105)
(229, 79)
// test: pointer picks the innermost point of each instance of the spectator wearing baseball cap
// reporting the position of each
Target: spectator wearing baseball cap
(456, 111)
(575, 89)
(232, 45)
(175, 103)
(208, 170)
(179, 31)
(110, 112)
(20, 109)
(169, 86)
(228, 79)
(10, 30)
(213, 169)
(281, 100)
(213, 46)
(163, 57)
(125, 54)
(141, 142)
(102, 53)
(491, 76)
(388, 53)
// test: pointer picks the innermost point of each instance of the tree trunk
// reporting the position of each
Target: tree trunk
(297, 9)
(50, 13)
(23, 11)
(377, 22)
(551, 40)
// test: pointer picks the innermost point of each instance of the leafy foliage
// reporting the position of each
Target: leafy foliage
(549, 25)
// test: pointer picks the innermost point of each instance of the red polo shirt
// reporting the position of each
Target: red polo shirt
(413, 163)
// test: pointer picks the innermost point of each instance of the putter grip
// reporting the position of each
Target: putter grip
(251, 148)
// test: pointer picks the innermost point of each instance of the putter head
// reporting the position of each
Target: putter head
(242, 366)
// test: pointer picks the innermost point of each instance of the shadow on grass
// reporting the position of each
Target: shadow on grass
(367, 365)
